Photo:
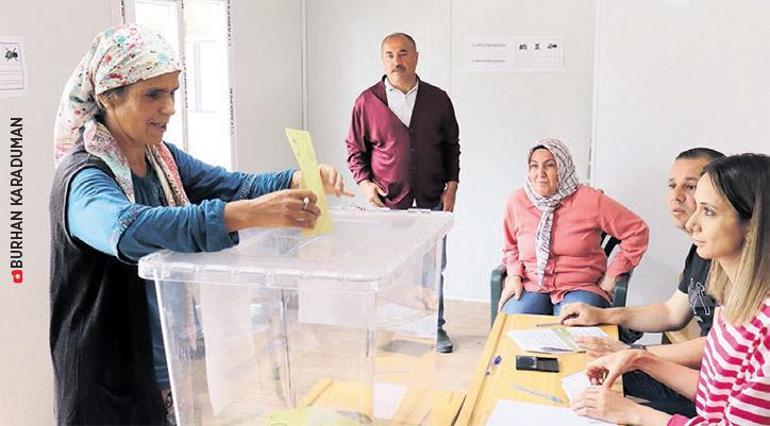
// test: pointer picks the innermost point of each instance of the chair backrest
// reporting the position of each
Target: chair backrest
(608, 243)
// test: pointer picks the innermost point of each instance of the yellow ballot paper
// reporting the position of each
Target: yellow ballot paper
(312, 416)
(311, 178)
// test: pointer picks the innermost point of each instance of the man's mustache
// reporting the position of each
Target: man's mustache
(398, 68)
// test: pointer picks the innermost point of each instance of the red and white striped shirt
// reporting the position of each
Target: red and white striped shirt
(734, 381)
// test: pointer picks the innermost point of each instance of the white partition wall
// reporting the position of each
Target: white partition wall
(55, 37)
(690, 73)
(266, 81)
(499, 113)
(343, 59)
(641, 81)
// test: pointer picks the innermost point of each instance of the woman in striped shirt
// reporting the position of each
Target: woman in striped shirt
(731, 225)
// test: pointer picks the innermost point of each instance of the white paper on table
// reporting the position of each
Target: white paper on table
(575, 384)
(544, 340)
(586, 332)
(524, 413)
(553, 339)
(228, 336)
(387, 398)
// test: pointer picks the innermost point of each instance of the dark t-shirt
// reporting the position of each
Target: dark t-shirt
(696, 270)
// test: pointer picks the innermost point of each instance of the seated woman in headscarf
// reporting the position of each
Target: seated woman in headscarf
(552, 229)
(120, 192)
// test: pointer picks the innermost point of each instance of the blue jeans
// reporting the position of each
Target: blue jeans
(441, 320)
(540, 303)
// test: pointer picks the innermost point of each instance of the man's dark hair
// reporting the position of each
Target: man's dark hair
(700, 152)
(394, 35)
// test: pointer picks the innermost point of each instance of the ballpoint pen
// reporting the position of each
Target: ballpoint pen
(552, 349)
(541, 394)
(492, 363)
(558, 323)
(549, 324)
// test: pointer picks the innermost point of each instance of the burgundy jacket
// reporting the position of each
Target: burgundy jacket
(409, 163)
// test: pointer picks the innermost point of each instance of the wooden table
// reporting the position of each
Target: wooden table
(342, 396)
(487, 389)
(689, 332)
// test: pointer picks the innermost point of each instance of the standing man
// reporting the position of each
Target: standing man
(403, 147)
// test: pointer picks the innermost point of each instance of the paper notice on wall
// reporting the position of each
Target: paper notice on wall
(489, 54)
(538, 54)
(12, 70)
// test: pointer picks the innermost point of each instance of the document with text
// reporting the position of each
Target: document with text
(553, 339)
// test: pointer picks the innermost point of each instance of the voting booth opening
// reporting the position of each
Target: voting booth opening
(283, 328)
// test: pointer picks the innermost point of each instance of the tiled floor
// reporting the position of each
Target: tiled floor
(468, 326)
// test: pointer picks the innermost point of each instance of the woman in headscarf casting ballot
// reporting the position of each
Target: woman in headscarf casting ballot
(552, 229)
(121, 192)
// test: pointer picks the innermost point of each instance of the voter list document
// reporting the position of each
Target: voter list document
(553, 339)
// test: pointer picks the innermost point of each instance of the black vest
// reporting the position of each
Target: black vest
(100, 333)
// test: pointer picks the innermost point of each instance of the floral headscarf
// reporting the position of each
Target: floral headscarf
(567, 184)
(119, 56)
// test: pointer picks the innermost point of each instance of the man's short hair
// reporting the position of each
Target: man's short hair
(394, 35)
(700, 152)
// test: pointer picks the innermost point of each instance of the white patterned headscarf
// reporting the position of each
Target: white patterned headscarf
(118, 57)
(567, 184)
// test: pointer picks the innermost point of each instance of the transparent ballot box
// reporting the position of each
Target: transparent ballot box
(286, 329)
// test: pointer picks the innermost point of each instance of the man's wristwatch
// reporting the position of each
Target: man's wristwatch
(637, 346)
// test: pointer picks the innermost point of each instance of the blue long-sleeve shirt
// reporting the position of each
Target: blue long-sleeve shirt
(100, 215)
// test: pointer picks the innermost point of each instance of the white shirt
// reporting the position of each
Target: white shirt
(402, 104)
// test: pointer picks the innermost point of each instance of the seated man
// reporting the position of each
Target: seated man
(689, 300)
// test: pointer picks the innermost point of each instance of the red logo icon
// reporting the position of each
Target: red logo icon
(17, 275)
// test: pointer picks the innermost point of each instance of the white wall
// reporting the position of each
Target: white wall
(343, 59)
(267, 82)
(267, 86)
(55, 38)
(671, 76)
(500, 114)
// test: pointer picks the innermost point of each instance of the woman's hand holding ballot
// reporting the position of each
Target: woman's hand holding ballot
(288, 207)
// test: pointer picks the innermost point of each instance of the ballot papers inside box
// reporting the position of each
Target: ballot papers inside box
(338, 326)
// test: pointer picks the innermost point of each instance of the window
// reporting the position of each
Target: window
(203, 106)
